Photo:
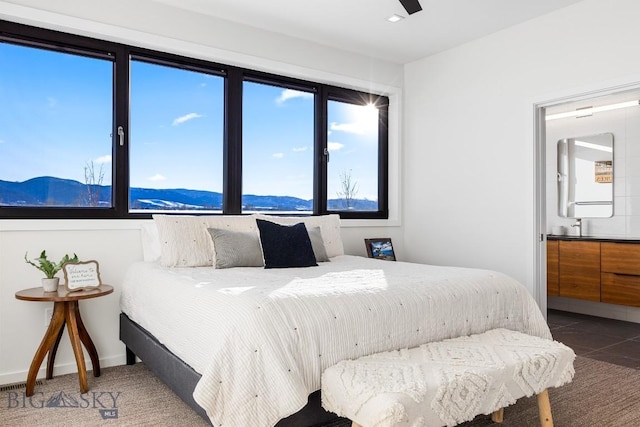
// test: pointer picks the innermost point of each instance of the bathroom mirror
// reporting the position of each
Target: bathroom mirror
(585, 176)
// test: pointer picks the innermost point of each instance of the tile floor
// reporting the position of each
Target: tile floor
(608, 340)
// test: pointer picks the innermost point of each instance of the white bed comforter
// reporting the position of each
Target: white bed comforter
(262, 338)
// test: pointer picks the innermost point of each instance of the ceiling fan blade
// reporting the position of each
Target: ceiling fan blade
(411, 6)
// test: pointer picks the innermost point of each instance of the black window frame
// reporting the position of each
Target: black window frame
(252, 76)
(350, 96)
(121, 55)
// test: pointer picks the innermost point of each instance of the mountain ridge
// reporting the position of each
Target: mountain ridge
(47, 191)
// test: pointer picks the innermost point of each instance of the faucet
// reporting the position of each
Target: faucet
(579, 225)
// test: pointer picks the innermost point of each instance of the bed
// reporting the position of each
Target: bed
(247, 345)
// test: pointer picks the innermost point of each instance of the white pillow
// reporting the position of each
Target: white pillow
(315, 235)
(185, 240)
(150, 241)
(329, 228)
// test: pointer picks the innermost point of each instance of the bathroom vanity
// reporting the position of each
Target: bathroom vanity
(594, 269)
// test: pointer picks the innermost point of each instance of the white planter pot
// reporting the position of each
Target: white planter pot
(50, 285)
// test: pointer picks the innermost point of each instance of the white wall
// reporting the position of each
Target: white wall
(469, 148)
(115, 244)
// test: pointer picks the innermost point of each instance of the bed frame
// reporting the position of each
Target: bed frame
(182, 379)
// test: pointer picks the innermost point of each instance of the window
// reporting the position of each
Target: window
(277, 149)
(353, 149)
(55, 126)
(176, 139)
(94, 129)
(357, 154)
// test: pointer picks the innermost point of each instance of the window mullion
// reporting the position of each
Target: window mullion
(120, 165)
(321, 157)
(383, 160)
(232, 181)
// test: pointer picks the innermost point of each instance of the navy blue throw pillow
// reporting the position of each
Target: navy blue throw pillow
(285, 246)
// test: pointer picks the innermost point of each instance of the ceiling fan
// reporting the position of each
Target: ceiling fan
(411, 6)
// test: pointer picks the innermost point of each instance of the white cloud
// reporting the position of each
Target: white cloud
(103, 159)
(288, 94)
(334, 146)
(358, 128)
(186, 118)
(157, 177)
(277, 155)
(295, 149)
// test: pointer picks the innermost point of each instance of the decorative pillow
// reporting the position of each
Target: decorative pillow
(185, 241)
(329, 226)
(315, 235)
(150, 241)
(285, 246)
(236, 248)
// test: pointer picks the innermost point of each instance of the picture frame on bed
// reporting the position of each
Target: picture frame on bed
(380, 248)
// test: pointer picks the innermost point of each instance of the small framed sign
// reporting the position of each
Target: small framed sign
(604, 171)
(380, 248)
(81, 275)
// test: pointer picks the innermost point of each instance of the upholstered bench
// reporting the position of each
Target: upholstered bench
(448, 382)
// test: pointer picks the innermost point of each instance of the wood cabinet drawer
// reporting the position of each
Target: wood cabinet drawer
(579, 270)
(553, 276)
(620, 289)
(623, 258)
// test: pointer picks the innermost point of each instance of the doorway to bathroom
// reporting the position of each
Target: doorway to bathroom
(586, 187)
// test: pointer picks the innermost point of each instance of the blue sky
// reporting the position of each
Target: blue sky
(56, 117)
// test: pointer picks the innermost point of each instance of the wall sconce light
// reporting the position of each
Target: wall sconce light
(588, 111)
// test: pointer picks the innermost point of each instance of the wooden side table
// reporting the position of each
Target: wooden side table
(65, 312)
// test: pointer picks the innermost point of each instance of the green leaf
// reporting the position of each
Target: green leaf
(47, 267)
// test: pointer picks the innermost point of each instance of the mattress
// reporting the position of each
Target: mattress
(261, 338)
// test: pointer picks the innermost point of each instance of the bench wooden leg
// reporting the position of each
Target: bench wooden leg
(544, 409)
(498, 416)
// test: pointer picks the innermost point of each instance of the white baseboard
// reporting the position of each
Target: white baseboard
(61, 369)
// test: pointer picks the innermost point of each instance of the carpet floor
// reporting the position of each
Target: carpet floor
(602, 394)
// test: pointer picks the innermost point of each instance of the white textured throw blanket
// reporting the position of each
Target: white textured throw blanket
(262, 338)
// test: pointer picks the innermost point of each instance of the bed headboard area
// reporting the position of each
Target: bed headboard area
(188, 240)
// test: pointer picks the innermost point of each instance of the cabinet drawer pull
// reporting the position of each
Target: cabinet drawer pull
(627, 275)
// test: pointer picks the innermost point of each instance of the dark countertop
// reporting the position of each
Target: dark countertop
(594, 238)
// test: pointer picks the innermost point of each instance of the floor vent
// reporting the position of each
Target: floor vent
(17, 386)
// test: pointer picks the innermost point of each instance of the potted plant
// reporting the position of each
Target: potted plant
(50, 269)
